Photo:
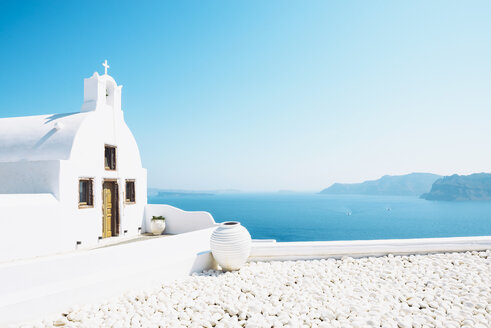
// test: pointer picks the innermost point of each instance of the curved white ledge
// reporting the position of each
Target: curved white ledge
(178, 221)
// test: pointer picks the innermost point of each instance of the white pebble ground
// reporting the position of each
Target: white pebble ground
(439, 290)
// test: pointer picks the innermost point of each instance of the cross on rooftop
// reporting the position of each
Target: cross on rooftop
(106, 66)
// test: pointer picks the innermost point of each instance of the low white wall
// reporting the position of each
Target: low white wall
(31, 225)
(178, 221)
(273, 251)
(35, 288)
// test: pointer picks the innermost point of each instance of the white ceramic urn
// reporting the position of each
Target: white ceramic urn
(157, 226)
(230, 245)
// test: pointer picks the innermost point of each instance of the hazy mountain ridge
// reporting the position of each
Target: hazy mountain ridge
(456, 187)
(155, 192)
(413, 184)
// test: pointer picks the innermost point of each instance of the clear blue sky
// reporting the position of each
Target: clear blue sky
(267, 95)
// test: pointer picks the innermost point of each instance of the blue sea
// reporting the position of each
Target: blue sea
(312, 217)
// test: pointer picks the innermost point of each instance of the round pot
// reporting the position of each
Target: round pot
(230, 245)
(157, 227)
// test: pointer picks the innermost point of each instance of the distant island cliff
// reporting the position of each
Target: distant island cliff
(461, 187)
(413, 184)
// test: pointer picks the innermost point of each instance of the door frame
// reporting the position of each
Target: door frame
(115, 216)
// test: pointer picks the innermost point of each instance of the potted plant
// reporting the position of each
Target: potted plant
(157, 225)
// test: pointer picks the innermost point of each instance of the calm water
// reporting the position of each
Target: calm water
(303, 217)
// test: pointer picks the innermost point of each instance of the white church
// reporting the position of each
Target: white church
(70, 180)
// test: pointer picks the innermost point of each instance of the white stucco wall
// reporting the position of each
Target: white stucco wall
(27, 222)
(178, 221)
(27, 177)
(34, 288)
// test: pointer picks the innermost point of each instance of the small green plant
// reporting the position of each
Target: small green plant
(158, 218)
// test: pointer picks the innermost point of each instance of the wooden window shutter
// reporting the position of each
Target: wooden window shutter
(90, 201)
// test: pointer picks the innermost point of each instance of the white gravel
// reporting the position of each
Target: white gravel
(439, 290)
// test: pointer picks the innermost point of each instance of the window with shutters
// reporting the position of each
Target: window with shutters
(130, 191)
(110, 158)
(85, 193)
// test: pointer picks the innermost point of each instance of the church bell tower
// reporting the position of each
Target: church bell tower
(101, 92)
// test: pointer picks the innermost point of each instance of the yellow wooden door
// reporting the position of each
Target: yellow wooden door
(107, 210)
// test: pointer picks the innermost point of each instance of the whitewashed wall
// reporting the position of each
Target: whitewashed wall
(178, 221)
(36, 288)
(23, 220)
(30, 177)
